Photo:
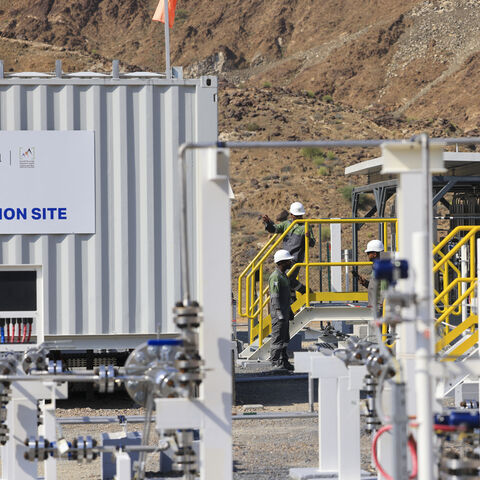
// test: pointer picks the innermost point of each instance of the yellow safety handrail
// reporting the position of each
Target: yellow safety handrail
(471, 322)
(454, 304)
(245, 271)
(443, 265)
(446, 282)
(255, 308)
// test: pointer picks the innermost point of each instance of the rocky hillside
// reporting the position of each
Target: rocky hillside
(289, 69)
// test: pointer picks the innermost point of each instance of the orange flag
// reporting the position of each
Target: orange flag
(159, 14)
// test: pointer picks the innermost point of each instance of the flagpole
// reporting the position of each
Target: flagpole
(168, 71)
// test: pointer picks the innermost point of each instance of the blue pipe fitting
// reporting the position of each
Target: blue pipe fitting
(455, 418)
(390, 270)
(171, 342)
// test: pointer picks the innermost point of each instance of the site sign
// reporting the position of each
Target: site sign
(47, 182)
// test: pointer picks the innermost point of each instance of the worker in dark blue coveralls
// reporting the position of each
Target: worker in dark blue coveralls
(294, 240)
(279, 286)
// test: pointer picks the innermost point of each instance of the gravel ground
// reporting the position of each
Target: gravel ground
(262, 449)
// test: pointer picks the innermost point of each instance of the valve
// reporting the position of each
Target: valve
(37, 449)
(390, 270)
(154, 361)
(35, 359)
(82, 449)
(55, 367)
(455, 465)
(377, 362)
(188, 361)
(184, 457)
(370, 389)
(356, 353)
(5, 395)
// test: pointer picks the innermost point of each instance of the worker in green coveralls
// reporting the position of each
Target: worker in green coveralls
(294, 240)
(279, 286)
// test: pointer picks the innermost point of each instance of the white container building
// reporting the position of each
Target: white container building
(111, 288)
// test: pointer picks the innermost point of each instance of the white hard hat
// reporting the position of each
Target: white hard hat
(296, 208)
(281, 255)
(374, 246)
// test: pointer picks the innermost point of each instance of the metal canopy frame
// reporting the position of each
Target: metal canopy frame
(384, 190)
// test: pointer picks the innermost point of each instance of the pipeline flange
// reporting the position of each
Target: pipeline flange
(106, 380)
(153, 362)
(187, 316)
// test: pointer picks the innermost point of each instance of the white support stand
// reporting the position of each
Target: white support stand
(338, 417)
(414, 162)
(214, 295)
(124, 466)
(49, 427)
(22, 414)
(211, 412)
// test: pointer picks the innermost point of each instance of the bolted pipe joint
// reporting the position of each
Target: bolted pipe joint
(35, 359)
(155, 362)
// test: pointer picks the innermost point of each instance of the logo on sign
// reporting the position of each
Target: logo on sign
(27, 157)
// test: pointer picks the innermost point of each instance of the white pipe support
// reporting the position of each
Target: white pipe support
(423, 379)
(124, 466)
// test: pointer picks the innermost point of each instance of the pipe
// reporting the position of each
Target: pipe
(322, 143)
(282, 144)
(422, 259)
(411, 446)
(274, 416)
(41, 377)
(24, 335)
(119, 420)
(183, 226)
(271, 378)
(141, 418)
(30, 322)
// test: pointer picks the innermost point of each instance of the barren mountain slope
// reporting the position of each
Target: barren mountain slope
(267, 181)
(290, 69)
(414, 57)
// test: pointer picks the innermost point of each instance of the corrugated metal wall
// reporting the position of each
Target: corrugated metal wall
(125, 278)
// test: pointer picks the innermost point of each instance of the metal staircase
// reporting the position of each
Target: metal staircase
(316, 311)
(456, 301)
(253, 298)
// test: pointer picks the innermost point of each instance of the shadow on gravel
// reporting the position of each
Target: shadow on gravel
(283, 392)
(89, 398)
